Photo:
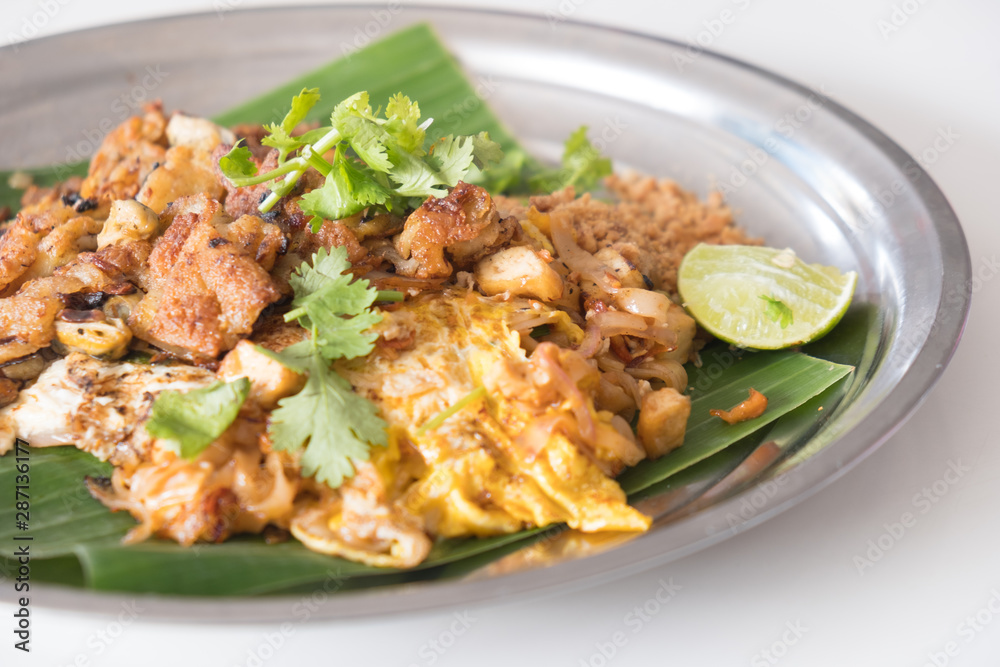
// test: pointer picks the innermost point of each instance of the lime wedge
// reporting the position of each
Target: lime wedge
(762, 298)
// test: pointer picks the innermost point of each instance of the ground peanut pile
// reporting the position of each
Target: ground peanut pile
(654, 223)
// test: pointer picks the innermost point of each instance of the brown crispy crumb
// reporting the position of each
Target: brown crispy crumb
(654, 223)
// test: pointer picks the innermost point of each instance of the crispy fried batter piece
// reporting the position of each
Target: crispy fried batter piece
(28, 317)
(189, 167)
(186, 171)
(127, 155)
(207, 280)
(19, 243)
(64, 244)
(465, 224)
(275, 334)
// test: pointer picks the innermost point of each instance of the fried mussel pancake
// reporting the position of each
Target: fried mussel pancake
(527, 342)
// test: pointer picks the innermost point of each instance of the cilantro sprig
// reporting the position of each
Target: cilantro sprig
(378, 160)
(335, 426)
(582, 166)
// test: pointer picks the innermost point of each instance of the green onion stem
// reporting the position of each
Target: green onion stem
(441, 417)
(389, 295)
(294, 314)
(316, 161)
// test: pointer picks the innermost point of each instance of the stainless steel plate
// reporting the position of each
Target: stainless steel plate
(800, 170)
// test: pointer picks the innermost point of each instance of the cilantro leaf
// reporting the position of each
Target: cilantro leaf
(301, 105)
(363, 185)
(586, 165)
(238, 163)
(333, 423)
(777, 311)
(324, 295)
(369, 141)
(414, 177)
(401, 123)
(583, 166)
(332, 200)
(354, 120)
(280, 136)
(353, 188)
(485, 152)
(355, 105)
(190, 421)
(326, 285)
(452, 158)
(284, 142)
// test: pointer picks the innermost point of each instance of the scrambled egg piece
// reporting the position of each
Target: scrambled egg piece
(485, 470)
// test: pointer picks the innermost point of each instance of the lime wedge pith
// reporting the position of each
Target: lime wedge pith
(762, 298)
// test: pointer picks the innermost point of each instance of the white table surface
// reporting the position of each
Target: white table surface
(792, 585)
